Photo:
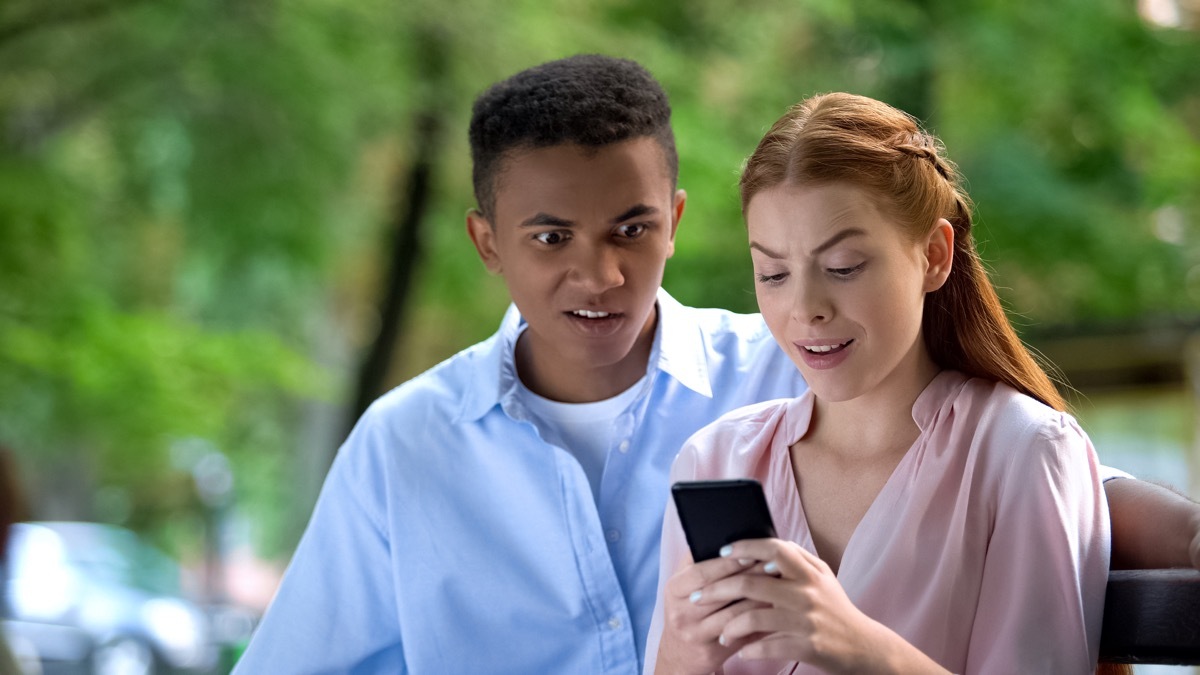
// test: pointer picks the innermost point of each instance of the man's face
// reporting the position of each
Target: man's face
(581, 237)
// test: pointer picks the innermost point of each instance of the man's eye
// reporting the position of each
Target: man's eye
(551, 237)
(632, 230)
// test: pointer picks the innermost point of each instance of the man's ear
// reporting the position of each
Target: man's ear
(677, 205)
(939, 255)
(483, 235)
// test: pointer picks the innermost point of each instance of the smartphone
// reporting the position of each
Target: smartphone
(719, 512)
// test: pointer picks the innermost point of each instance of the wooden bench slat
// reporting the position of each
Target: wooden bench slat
(1152, 616)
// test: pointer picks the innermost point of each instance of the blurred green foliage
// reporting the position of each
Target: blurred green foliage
(194, 194)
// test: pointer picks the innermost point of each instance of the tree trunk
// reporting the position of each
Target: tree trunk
(409, 216)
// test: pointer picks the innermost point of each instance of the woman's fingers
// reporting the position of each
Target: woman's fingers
(690, 610)
(777, 557)
(762, 620)
(763, 588)
(690, 582)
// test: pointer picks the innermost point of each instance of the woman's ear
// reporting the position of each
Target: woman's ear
(483, 235)
(939, 255)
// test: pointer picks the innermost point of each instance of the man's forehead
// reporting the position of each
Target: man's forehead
(641, 149)
(564, 179)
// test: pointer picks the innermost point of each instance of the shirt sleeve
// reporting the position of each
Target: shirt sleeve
(335, 610)
(1046, 567)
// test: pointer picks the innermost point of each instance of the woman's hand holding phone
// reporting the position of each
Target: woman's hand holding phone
(762, 596)
(798, 611)
(713, 514)
(801, 613)
(694, 619)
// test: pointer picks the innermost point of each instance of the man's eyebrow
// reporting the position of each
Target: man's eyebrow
(635, 212)
(544, 220)
(547, 220)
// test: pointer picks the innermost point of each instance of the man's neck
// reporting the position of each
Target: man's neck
(554, 378)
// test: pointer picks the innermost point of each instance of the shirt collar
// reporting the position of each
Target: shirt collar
(679, 346)
(942, 389)
(679, 351)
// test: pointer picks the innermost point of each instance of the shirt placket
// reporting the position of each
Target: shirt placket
(613, 514)
(589, 538)
(597, 549)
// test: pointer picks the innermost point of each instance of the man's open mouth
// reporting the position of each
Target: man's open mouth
(586, 314)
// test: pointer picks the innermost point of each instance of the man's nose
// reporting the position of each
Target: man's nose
(599, 269)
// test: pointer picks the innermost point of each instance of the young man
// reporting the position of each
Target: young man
(502, 511)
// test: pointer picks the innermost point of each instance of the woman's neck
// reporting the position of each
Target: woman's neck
(879, 421)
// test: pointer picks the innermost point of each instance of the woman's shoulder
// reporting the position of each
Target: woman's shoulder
(1007, 424)
(997, 404)
(734, 443)
(743, 424)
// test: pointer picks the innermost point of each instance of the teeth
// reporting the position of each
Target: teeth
(824, 348)
(590, 315)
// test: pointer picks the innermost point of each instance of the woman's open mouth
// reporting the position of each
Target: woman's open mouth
(822, 356)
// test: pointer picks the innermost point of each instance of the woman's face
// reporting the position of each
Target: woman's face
(842, 286)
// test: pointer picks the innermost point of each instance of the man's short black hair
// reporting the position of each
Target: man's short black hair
(589, 100)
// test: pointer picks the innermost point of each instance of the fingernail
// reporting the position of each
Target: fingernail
(771, 567)
(726, 550)
(694, 597)
(721, 640)
(744, 561)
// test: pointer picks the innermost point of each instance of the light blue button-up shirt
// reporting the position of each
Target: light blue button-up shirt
(450, 538)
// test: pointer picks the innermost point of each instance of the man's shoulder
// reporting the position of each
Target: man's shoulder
(732, 333)
(716, 320)
(407, 425)
(743, 361)
(438, 394)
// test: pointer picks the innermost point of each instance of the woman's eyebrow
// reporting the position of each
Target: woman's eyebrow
(837, 238)
(766, 251)
(828, 244)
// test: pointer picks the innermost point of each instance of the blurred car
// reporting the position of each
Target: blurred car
(92, 598)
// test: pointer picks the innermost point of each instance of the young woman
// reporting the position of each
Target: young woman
(937, 511)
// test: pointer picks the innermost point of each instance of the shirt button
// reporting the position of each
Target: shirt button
(614, 623)
(624, 446)
(614, 535)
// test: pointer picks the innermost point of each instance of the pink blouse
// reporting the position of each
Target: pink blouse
(987, 548)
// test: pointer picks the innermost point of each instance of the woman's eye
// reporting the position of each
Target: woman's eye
(552, 237)
(770, 279)
(847, 272)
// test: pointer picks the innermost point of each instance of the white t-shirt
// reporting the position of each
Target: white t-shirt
(586, 430)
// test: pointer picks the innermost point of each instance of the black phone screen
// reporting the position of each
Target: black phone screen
(719, 512)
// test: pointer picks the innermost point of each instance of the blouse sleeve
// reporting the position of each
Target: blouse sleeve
(1046, 567)
(674, 553)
